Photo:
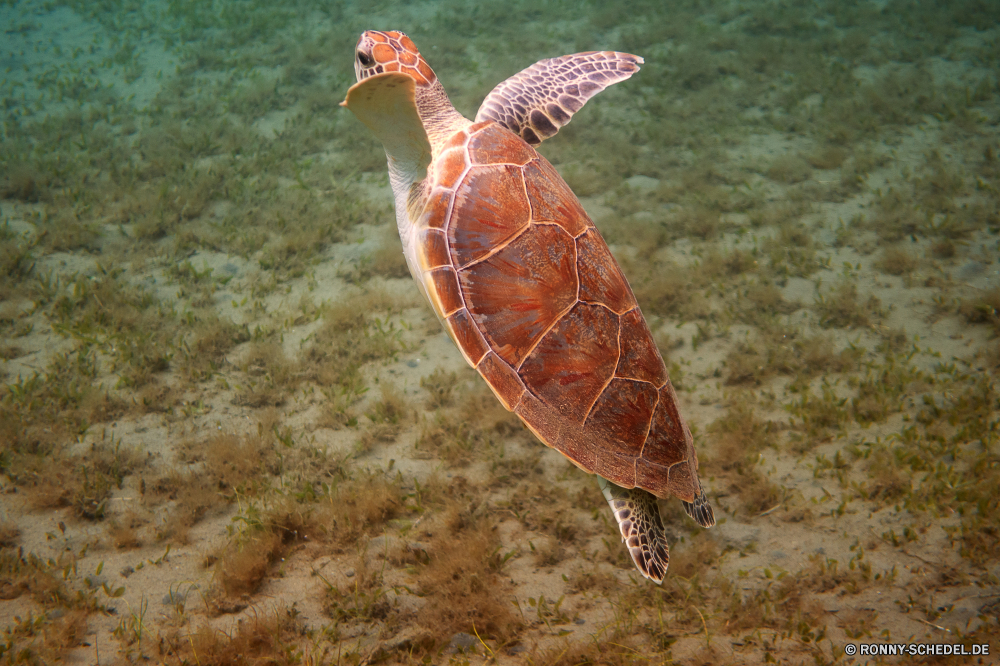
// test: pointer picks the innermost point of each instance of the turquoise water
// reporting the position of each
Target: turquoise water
(231, 426)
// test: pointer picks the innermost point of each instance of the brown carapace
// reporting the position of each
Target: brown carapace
(539, 306)
(523, 281)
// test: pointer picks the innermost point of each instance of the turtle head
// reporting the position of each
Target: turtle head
(390, 51)
(399, 98)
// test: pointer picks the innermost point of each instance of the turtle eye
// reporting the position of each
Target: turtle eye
(365, 59)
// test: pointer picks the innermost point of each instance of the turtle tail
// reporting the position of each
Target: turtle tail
(700, 510)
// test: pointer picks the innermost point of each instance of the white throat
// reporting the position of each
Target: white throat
(402, 175)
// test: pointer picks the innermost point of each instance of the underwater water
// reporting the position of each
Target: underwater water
(231, 431)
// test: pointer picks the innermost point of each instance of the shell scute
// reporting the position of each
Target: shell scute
(652, 477)
(458, 140)
(581, 451)
(467, 336)
(667, 432)
(601, 280)
(490, 208)
(681, 481)
(541, 420)
(591, 454)
(505, 383)
(449, 168)
(478, 127)
(516, 294)
(571, 365)
(496, 145)
(436, 211)
(552, 200)
(622, 414)
(444, 290)
(432, 249)
(640, 359)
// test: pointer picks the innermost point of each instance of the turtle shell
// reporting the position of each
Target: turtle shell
(528, 289)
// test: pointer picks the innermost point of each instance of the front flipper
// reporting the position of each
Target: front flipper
(638, 519)
(386, 103)
(537, 101)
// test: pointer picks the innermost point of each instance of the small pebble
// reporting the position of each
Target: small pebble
(95, 580)
(463, 641)
(174, 597)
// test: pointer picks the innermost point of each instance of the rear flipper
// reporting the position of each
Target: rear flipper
(701, 510)
(638, 519)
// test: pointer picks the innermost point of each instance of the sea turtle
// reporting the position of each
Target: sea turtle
(522, 280)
